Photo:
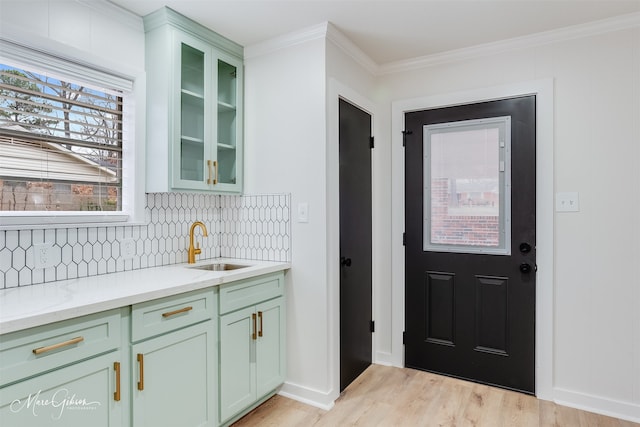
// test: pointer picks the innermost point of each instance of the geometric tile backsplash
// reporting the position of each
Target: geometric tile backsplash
(255, 227)
(246, 226)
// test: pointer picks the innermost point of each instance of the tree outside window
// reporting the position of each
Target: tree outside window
(60, 144)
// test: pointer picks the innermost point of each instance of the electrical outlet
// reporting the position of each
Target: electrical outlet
(127, 248)
(567, 202)
(42, 255)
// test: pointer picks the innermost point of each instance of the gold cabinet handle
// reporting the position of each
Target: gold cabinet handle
(116, 394)
(215, 168)
(141, 371)
(260, 330)
(253, 335)
(173, 313)
(209, 167)
(72, 341)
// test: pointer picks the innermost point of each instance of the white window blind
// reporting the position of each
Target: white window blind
(60, 143)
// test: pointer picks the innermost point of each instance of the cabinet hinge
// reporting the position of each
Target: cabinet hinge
(372, 326)
(404, 239)
(370, 142)
(404, 137)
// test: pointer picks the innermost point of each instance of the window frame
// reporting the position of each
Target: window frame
(132, 82)
(503, 123)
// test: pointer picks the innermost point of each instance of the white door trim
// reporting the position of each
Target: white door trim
(543, 89)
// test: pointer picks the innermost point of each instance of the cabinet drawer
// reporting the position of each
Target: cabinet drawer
(78, 395)
(234, 296)
(163, 315)
(32, 351)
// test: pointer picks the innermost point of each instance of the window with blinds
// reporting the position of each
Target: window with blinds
(60, 144)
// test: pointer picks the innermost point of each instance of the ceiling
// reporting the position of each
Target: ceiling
(391, 30)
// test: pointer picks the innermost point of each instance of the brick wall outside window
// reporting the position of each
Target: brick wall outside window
(463, 230)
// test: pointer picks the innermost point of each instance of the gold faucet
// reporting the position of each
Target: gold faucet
(193, 251)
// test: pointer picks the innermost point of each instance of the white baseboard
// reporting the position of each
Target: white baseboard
(319, 399)
(384, 358)
(613, 408)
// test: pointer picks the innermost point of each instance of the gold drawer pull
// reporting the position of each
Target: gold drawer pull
(172, 313)
(72, 341)
(215, 168)
(253, 335)
(260, 330)
(209, 168)
(141, 367)
(116, 394)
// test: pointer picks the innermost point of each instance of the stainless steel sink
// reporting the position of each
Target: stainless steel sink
(219, 266)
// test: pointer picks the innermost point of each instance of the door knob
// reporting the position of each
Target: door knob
(525, 248)
(345, 261)
(525, 267)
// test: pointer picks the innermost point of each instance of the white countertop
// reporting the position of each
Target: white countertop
(36, 305)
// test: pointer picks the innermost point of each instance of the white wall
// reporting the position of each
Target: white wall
(95, 32)
(596, 332)
(285, 139)
(291, 145)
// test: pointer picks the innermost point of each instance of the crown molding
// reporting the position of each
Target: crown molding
(167, 16)
(618, 23)
(287, 40)
(351, 49)
(327, 31)
(330, 32)
(118, 13)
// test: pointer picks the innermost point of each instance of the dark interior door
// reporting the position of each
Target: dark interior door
(355, 242)
(470, 242)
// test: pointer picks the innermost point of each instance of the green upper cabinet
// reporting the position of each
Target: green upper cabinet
(194, 106)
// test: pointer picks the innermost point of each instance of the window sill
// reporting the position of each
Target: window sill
(39, 220)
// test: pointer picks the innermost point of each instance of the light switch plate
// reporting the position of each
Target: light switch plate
(567, 202)
(303, 212)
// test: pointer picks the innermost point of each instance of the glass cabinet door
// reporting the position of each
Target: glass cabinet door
(228, 147)
(207, 150)
(192, 104)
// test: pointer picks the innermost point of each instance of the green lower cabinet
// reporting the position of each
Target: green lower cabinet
(82, 394)
(165, 362)
(252, 362)
(174, 378)
(237, 363)
(270, 347)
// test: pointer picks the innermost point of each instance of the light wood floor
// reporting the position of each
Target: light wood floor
(386, 396)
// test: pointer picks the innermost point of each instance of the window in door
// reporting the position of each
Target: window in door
(467, 186)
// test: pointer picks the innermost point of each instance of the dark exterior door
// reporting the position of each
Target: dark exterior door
(355, 242)
(470, 242)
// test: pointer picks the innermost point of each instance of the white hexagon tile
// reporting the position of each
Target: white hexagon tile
(247, 226)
